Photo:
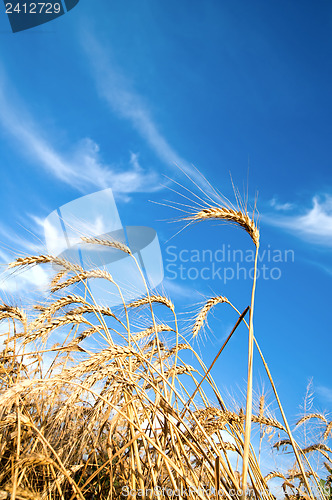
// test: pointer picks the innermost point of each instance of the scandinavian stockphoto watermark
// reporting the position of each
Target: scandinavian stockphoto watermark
(225, 263)
(96, 216)
(167, 492)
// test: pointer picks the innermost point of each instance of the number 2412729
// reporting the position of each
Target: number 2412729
(33, 8)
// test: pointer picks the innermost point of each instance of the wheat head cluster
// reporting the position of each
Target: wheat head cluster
(112, 409)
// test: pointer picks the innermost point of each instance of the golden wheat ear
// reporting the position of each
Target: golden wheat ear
(229, 215)
(328, 430)
(201, 317)
(108, 243)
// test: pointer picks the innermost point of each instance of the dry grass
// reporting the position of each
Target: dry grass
(126, 412)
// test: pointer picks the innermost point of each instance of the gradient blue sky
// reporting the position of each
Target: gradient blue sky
(115, 94)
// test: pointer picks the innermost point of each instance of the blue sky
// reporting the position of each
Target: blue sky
(121, 95)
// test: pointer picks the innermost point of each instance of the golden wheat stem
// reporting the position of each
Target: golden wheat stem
(247, 431)
(154, 444)
(58, 459)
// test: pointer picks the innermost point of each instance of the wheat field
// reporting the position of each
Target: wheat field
(111, 410)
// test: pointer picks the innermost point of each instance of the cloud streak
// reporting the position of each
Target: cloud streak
(325, 393)
(83, 168)
(280, 206)
(33, 279)
(127, 104)
(315, 225)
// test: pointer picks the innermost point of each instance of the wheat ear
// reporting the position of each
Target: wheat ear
(310, 416)
(44, 259)
(160, 299)
(327, 430)
(95, 273)
(201, 317)
(150, 331)
(229, 215)
(114, 244)
(273, 475)
(317, 447)
(13, 313)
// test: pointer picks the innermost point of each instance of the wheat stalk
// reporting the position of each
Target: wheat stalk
(95, 273)
(46, 312)
(44, 259)
(328, 467)
(177, 348)
(13, 313)
(309, 417)
(43, 331)
(282, 442)
(150, 331)
(117, 408)
(328, 430)
(317, 447)
(268, 421)
(273, 475)
(58, 277)
(89, 308)
(228, 215)
(82, 336)
(160, 299)
(225, 445)
(114, 244)
(201, 317)
(242, 220)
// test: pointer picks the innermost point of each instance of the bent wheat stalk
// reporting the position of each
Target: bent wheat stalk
(247, 431)
(241, 219)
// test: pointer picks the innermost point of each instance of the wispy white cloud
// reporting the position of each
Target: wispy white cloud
(82, 167)
(13, 243)
(280, 206)
(20, 281)
(88, 167)
(26, 281)
(325, 393)
(314, 225)
(126, 103)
